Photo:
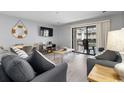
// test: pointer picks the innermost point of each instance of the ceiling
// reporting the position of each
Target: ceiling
(57, 17)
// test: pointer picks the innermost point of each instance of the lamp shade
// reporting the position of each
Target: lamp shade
(115, 40)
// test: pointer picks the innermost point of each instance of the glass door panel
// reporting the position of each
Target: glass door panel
(91, 34)
(79, 34)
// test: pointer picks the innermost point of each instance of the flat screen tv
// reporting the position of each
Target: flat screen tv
(46, 32)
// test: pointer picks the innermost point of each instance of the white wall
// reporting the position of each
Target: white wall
(65, 32)
(7, 39)
(62, 35)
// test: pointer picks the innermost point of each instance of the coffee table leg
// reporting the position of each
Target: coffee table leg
(54, 56)
(62, 58)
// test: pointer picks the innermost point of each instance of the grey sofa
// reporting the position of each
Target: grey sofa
(92, 61)
(45, 70)
(57, 74)
(50, 74)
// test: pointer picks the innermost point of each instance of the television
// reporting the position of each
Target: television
(46, 32)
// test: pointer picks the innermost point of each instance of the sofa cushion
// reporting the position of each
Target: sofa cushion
(39, 62)
(108, 55)
(3, 76)
(17, 69)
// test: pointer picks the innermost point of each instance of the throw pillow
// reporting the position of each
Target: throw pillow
(39, 62)
(17, 69)
(3, 76)
(19, 52)
(119, 68)
(108, 55)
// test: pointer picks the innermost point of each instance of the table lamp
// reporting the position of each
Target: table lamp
(115, 42)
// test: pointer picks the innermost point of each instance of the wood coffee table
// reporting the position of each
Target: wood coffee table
(101, 73)
(62, 52)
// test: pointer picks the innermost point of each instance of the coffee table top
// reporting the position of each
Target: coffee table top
(101, 73)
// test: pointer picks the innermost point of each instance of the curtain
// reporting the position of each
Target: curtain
(74, 44)
(102, 28)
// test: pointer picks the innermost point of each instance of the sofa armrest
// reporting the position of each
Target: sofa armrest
(91, 62)
(57, 74)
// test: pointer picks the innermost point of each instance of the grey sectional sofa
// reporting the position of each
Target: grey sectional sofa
(35, 68)
(57, 74)
(92, 61)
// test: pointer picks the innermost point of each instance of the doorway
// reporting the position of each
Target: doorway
(84, 39)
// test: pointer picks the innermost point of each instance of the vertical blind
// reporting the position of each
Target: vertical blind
(102, 28)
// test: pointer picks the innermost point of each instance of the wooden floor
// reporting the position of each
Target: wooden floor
(76, 66)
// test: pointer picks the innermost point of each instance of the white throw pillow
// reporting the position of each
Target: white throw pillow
(119, 68)
(122, 56)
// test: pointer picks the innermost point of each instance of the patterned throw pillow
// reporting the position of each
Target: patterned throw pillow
(20, 52)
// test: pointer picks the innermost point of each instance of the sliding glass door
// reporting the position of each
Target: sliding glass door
(78, 37)
(84, 39)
